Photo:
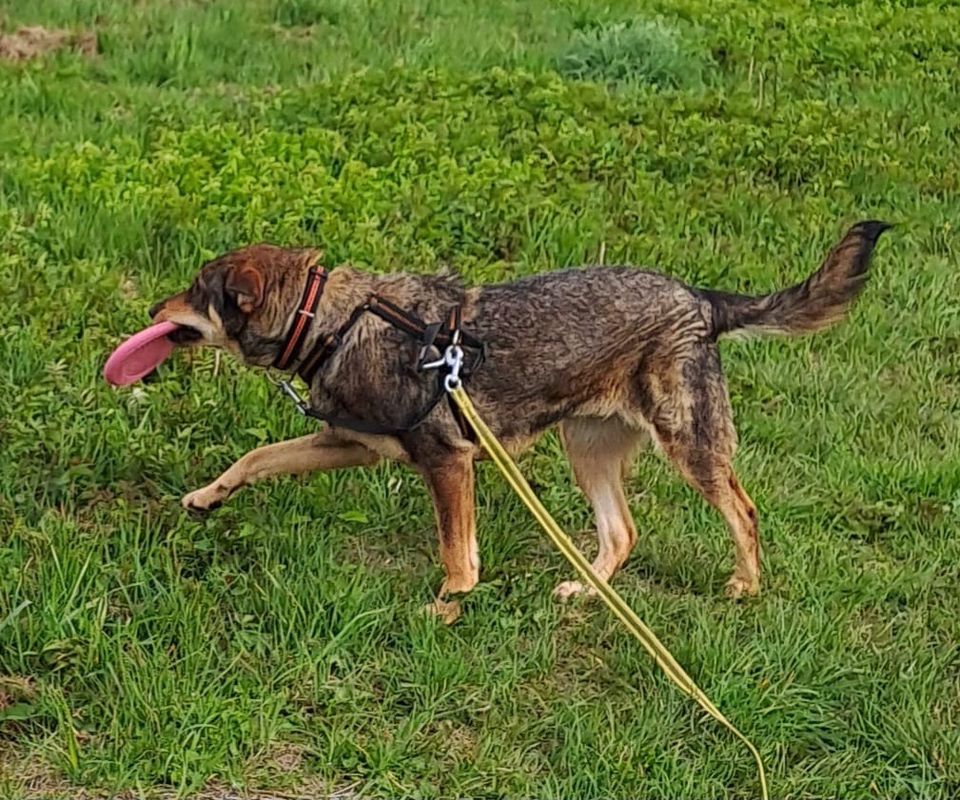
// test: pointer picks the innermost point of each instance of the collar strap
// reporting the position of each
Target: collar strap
(317, 278)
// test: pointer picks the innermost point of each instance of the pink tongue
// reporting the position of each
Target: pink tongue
(139, 355)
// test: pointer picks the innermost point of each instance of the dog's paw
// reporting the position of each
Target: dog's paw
(568, 589)
(446, 611)
(738, 587)
(202, 500)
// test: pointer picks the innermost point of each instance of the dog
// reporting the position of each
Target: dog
(612, 355)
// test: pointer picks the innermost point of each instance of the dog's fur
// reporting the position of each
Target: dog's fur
(610, 354)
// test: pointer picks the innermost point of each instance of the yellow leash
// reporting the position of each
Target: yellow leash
(617, 605)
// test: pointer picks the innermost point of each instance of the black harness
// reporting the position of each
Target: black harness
(439, 335)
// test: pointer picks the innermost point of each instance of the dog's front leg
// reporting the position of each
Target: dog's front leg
(294, 457)
(451, 487)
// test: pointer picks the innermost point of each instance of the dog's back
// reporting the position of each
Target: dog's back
(580, 340)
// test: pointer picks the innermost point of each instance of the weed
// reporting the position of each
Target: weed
(642, 52)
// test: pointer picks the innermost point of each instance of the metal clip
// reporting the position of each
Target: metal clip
(453, 359)
(290, 392)
(435, 364)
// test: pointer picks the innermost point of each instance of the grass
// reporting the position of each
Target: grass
(648, 52)
(278, 643)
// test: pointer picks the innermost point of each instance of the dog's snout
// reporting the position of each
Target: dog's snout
(155, 309)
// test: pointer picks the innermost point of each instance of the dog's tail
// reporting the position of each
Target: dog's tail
(818, 302)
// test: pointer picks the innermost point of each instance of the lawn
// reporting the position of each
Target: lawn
(278, 645)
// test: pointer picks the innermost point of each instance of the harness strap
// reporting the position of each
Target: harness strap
(396, 316)
(363, 426)
(328, 345)
(417, 328)
(317, 278)
(427, 335)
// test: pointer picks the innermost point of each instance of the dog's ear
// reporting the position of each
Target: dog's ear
(245, 285)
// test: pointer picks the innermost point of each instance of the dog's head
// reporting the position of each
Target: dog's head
(241, 302)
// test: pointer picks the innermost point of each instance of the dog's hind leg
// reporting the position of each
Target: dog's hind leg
(600, 451)
(318, 451)
(686, 403)
(450, 482)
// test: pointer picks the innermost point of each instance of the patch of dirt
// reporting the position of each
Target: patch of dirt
(30, 778)
(13, 689)
(33, 778)
(35, 781)
(306, 792)
(35, 41)
(458, 741)
(287, 758)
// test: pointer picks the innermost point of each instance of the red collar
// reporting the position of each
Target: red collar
(306, 311)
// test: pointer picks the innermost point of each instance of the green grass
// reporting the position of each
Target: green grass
(142, 650)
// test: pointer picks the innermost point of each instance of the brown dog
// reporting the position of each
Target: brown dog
(610, 354)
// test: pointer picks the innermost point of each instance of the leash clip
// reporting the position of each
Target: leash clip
(452, 359)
